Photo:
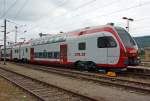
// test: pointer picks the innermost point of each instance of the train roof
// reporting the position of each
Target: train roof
(63, 36)
(89, 28)
(83, 30)
(50, 39)
(22, 43)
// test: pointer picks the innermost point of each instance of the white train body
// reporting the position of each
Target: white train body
(101, 46)
(25, 52)
(92, 52)
(21, 52)
(86, 48)
(16, 52)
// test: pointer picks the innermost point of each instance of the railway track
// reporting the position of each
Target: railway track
(134, 85)
(42, 90)
(135, 75)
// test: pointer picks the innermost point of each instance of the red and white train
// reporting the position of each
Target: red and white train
(105, 46)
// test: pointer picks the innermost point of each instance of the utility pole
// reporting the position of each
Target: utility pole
(5, 42)
(128, 20)
(16, 28)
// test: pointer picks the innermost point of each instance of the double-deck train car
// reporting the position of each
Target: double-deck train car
(103, 46)
(21, 52)
(107, 46)
(16, 51)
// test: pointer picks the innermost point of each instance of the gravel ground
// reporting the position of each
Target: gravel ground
(102, 93)
(9, 92)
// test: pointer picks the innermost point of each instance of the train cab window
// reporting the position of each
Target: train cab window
(82, 46)
(126, 38)
(106, 42)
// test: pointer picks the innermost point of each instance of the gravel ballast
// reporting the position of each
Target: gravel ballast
(97, 91)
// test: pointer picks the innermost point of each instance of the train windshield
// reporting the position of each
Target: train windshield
(125, 37)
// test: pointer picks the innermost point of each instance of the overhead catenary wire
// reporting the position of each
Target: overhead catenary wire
(101, 7)
(22, 7)
(121, 10)
(142, 19)
(117, 11)
(77, 8)
(3, 7)
(113, 12)
(83, 5)
(59, 5)
(5, 13)
(125, 9)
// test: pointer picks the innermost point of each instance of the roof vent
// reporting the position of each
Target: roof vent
(87, 27)
(112, 24)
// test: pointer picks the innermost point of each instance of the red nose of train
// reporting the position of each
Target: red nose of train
(133, 56)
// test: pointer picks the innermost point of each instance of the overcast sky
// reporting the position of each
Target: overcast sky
(52, 16)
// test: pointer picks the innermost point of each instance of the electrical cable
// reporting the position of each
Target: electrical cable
(117, 11)
(4, 14)
(3, 7)
(125, 9)
(22, 7)
(81, 6)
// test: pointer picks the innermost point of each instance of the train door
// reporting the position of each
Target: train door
(32, 55)
(19, 50)
(63, 54)
(113, 50)
(102, 50)
(10, 54)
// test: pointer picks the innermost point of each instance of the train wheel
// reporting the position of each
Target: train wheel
(91, 66)
(80, 65)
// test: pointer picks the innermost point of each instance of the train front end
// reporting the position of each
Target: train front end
(133, 56)
(130, 45)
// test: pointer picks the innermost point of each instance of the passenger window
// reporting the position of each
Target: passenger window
(26, 50)
(82, 46)
(40, 55)
(37, 55)
(106, 42)
(56, 55)
(44, 54)
(50, 55)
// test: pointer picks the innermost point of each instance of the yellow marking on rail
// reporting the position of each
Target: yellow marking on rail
(111, 74)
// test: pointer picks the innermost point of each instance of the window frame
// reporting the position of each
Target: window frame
(106, 41)
(82, 46)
